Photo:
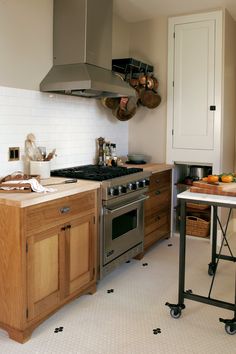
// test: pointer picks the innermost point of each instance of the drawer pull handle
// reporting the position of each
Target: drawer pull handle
(68, 226)
(64, 210)
(158, 192)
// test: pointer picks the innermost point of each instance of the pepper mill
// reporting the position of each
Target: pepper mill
(101, 151)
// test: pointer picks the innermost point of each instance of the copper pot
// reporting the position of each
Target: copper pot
(126, 109)
(155, 84)
(134, 82)
(149, 82)
(150, 99)
(142, 79)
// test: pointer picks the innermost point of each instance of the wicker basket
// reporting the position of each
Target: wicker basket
(197, 227)
(198, 206)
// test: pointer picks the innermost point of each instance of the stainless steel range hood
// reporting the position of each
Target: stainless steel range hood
(82, 47)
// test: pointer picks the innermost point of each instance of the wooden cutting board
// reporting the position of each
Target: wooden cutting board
(219, 189)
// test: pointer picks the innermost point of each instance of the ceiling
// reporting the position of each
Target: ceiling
(140, 10)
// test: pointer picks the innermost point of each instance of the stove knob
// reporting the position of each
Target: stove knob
(130, 186)
(137, 184)
(147, 182)
(116, 191)
(134, 186)
(123, 189)
(111, 191)
(141, 184)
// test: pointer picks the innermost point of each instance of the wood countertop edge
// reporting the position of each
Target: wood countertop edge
(152, 167)
(23, 200)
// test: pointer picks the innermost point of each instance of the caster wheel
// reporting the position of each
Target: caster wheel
(211, 269)
(175, 312)
(230, 328)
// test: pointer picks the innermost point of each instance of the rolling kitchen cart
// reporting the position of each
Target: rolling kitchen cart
(215, 201)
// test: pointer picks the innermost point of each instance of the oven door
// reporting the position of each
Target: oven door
(123, 227)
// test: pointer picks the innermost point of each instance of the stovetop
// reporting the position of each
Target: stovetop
(95, 172)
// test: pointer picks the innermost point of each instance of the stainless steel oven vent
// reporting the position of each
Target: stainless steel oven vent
(82, 51)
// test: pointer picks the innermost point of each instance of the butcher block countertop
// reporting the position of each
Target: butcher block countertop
(152, 167)
(62, 190)
(220, 188)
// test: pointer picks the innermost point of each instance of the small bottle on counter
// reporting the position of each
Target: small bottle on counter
(101, 160)
(113, 155)
(107, 154)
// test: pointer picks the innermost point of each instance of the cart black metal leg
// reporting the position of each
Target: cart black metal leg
(230, 325)
(175, 309)
(212, 264)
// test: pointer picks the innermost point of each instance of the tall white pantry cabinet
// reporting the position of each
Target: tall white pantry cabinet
(201, 98)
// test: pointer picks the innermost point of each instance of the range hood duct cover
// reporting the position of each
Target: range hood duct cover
(82, 47)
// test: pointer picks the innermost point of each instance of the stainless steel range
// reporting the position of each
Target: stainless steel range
(122, 210)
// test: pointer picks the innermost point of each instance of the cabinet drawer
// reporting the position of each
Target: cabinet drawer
(157, 221)
(160, 180)
(158, 199)
(42, 216)
(157, 234)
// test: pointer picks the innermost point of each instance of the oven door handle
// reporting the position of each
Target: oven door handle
(111, 210)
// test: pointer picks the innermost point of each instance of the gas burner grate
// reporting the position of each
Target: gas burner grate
(94, 172)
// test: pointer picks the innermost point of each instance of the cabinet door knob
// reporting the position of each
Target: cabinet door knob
(68, 226)
(157, 180)
(63, 228)
(64, 210)
(158, 192)
(157, 217)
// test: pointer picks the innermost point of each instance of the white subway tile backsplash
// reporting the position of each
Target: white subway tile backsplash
(69, 124)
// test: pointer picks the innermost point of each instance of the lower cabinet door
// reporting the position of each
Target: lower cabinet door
(79, 254)
(43, 272)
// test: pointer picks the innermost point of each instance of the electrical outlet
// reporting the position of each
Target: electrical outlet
(14, 154)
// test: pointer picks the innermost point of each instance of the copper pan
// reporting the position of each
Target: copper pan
(126, 109)
(142, 79)
(150, 99)
(149, 82)
(155, 83)
(110, 102)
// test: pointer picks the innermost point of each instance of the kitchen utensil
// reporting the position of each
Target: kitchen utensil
(31, 150)
(142, 79)
(149, 82)
(134, 82)
(72, 180)
(150, 99)
(155, 83)
(111, 102)
(136, 157)
(126, 109)
(199, 171)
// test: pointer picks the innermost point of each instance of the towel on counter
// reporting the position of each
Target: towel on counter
(35, 186)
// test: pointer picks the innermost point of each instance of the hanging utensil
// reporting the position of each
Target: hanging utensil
(150, 99)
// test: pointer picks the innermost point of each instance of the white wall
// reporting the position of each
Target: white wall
(25, 42)
(69, 124)
(120, 38)
(147, 129)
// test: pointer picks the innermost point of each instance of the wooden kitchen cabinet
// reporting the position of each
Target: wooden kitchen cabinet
(49, 257)
(158, 208)
(201, 91)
